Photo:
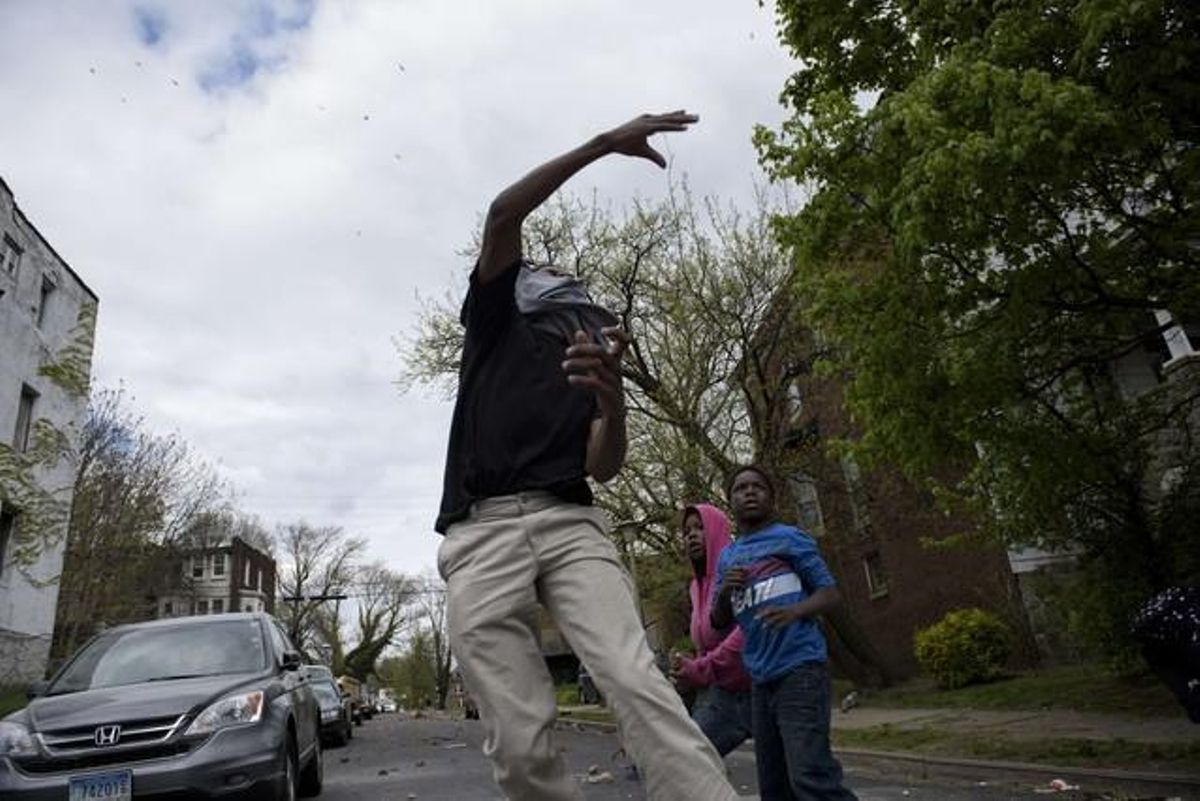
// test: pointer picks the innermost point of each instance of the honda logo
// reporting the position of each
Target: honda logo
(108, 735)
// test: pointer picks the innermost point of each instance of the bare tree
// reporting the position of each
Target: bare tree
(313, 563)
(384, 601)
(702, 289)
(137, 494)
(435, 634)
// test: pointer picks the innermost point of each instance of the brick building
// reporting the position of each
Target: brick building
(901, 563)
(226, 577)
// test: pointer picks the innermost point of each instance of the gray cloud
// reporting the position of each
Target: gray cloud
(257, 246)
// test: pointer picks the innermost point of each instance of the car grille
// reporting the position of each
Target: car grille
(99, 758)
(74, 748)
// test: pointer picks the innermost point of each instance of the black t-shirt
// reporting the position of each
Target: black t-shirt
(518, 425)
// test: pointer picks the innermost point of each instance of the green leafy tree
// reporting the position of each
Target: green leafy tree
(1002, 222)
(411, 674)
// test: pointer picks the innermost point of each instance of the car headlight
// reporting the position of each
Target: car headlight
(232, 711)
(15, 740)
(329, 714)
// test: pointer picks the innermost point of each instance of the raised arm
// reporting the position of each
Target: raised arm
(501, 247)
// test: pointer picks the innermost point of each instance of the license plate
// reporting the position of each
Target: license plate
(114, 786)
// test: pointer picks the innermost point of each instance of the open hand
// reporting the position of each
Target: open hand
(630, 139)
(597, 367)
(734, 581)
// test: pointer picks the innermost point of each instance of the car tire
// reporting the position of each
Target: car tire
(285, 789)
(312, 778)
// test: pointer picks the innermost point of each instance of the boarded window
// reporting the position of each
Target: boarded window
(8, 530)
(877, 580)
(25, 410)
(10, 258)
(45, 298)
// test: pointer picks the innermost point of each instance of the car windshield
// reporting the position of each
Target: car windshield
(160, 653)
(327, 695)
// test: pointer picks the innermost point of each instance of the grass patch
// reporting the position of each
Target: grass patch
(1177, 757)
(566, 694)
(592, 715)
(12, 699)
(1083, 688)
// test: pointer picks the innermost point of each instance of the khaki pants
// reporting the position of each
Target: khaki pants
(513, 552)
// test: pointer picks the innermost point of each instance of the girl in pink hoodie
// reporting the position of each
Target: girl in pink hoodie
(722, 708)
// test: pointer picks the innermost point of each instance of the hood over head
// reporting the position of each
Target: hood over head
(716, 534)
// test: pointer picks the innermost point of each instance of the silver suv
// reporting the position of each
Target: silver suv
(193, 707)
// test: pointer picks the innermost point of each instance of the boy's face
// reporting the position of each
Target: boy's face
(750, 497)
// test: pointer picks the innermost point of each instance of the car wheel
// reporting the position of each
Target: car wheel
(313, 776)
(286, 789)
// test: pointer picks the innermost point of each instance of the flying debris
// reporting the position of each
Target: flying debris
(175, 82)
(401, 66)
(366, 117)
(92, 70)
(137, 63)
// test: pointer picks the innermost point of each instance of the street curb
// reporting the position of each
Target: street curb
(925, 768)
(976, 770)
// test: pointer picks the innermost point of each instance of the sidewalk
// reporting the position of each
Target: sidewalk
(975, 745)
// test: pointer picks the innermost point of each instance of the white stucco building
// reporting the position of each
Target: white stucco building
(41, 300)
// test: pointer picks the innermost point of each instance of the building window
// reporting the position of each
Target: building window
(877, 581)
(808, 505)
(856, 490)
(44, 295)
(8, 530)
(202, 607)
(29, 398)
(246, 578)
(197, 567)
(168, 609)
(218, 606)
(795, 401)
(218, 564)
(248, 608)
(10, 258)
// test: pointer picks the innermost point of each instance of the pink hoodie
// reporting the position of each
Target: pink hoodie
(720, 653)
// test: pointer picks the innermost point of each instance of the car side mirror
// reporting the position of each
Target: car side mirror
(37, 689)
(291, 660)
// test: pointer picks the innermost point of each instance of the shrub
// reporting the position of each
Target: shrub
(967, 646)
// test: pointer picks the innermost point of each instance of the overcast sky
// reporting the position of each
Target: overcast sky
(257, 190)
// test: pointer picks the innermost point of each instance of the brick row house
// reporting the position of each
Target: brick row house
(231, 576)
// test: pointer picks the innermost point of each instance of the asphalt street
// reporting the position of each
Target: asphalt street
(396, 757)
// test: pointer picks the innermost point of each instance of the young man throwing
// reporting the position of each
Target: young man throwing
(540, 409)
(775, 584)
